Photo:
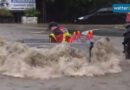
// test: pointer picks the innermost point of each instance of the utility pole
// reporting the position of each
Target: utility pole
(44, 11)
(41, 6)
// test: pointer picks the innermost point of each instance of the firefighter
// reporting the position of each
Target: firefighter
(58, 33)
(126, 42)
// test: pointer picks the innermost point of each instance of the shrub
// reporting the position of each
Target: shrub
(31, 12)
(5, 12)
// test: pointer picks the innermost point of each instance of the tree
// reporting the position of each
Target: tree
(74, 8)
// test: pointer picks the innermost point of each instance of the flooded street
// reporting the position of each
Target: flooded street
(37, 36)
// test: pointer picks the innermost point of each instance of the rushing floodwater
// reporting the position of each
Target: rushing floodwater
(20, 60)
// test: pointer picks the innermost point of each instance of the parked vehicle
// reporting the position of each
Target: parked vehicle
(102, 16)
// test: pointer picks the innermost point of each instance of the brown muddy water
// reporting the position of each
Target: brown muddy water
(20, 60)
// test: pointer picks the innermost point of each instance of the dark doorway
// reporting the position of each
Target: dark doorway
(17, 16)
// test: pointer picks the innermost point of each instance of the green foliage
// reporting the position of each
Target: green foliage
(32, 12)
(5, 12)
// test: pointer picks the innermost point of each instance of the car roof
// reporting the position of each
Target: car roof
(104, 9)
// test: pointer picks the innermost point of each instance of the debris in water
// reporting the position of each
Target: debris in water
(19, 60)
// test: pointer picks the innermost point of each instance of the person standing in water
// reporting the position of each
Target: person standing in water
(58, 33)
